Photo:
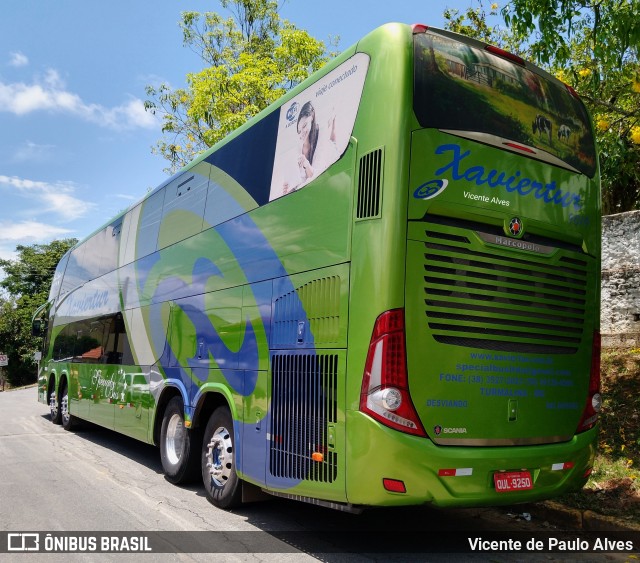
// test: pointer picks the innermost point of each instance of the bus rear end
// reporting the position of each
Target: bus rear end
(485, 386)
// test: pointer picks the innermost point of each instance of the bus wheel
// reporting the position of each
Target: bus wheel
(69, 422)
(54, 408)
(221, 481)
(178, 446)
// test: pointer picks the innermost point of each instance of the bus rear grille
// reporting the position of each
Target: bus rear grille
(497, 300)
(304, 402)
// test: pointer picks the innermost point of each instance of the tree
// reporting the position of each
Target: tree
(26, 286)
(593, 46)
(474, 22)
(250, 59)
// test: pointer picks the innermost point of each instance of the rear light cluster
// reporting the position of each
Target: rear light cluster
(419, 28)
(594, 399)
(385, 388)
(505, 54)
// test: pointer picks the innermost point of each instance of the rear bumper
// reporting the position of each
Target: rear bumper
(380, 453)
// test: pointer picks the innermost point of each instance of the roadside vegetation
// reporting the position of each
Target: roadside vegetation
(614, 486)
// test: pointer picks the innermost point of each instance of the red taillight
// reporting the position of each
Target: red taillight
(385, 388)
(505, 54)
(594, 400)
(419, 28)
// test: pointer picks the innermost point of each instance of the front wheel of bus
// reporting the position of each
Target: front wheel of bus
(178, 446)
(219, 475)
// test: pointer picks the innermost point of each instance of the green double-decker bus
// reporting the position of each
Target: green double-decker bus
(382, 290)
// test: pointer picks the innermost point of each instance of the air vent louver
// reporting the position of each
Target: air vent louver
(304, 402)
(496, 300)
(369, 184)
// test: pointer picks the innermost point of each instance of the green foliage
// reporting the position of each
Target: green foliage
(592, 46)
(26, 286)
(474, 22)
(614, 485)
(250, 58)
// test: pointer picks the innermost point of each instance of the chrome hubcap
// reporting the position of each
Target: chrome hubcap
(64, 408)
(220, 456)
(175, 439)
(53, 404)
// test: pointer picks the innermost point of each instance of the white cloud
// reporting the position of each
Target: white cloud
(56, 198)
(26, 232)
(33, 152)
(50, 94)
(18, 59)
(29, 231)
(130, 115)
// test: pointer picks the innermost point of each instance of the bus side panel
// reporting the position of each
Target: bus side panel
(80, 391)
(306, 385)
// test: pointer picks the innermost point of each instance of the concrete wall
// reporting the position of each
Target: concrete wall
(620, 309)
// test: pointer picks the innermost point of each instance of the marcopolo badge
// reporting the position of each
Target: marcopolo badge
(515, 228)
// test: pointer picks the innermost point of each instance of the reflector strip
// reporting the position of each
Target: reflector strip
(459, 472)
(562, 466)
(520, 147)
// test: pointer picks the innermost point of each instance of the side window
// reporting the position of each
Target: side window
(184, 203)
(111, 246)
(117, 349)
(149, 225)
(75, 274)
(58, 277)
(89, 341)
(94, 341)
(63, 345)
(93, 249)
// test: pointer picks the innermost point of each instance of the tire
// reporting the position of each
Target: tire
(54, 407)
(69, 422)
(178, 446)
(221, 482)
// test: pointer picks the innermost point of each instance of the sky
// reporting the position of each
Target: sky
(75, 140)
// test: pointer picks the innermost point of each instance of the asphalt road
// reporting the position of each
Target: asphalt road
(95, 480)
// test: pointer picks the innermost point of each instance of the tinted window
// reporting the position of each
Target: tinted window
(183, 207)
(103, 340)
(149, 226)
(460, 87)
(56, 283)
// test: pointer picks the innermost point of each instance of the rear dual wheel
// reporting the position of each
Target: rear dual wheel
(179, 450)
(54, 407)
(219, 476)
(69, 422)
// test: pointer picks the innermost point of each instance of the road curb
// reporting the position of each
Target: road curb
(577, 519)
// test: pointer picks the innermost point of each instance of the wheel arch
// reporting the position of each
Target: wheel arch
(52, 384)
(168, 393)
(209, 401)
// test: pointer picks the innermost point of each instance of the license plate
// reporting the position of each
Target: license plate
(512, 481)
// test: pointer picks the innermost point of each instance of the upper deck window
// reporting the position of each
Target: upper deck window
(463, 88)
